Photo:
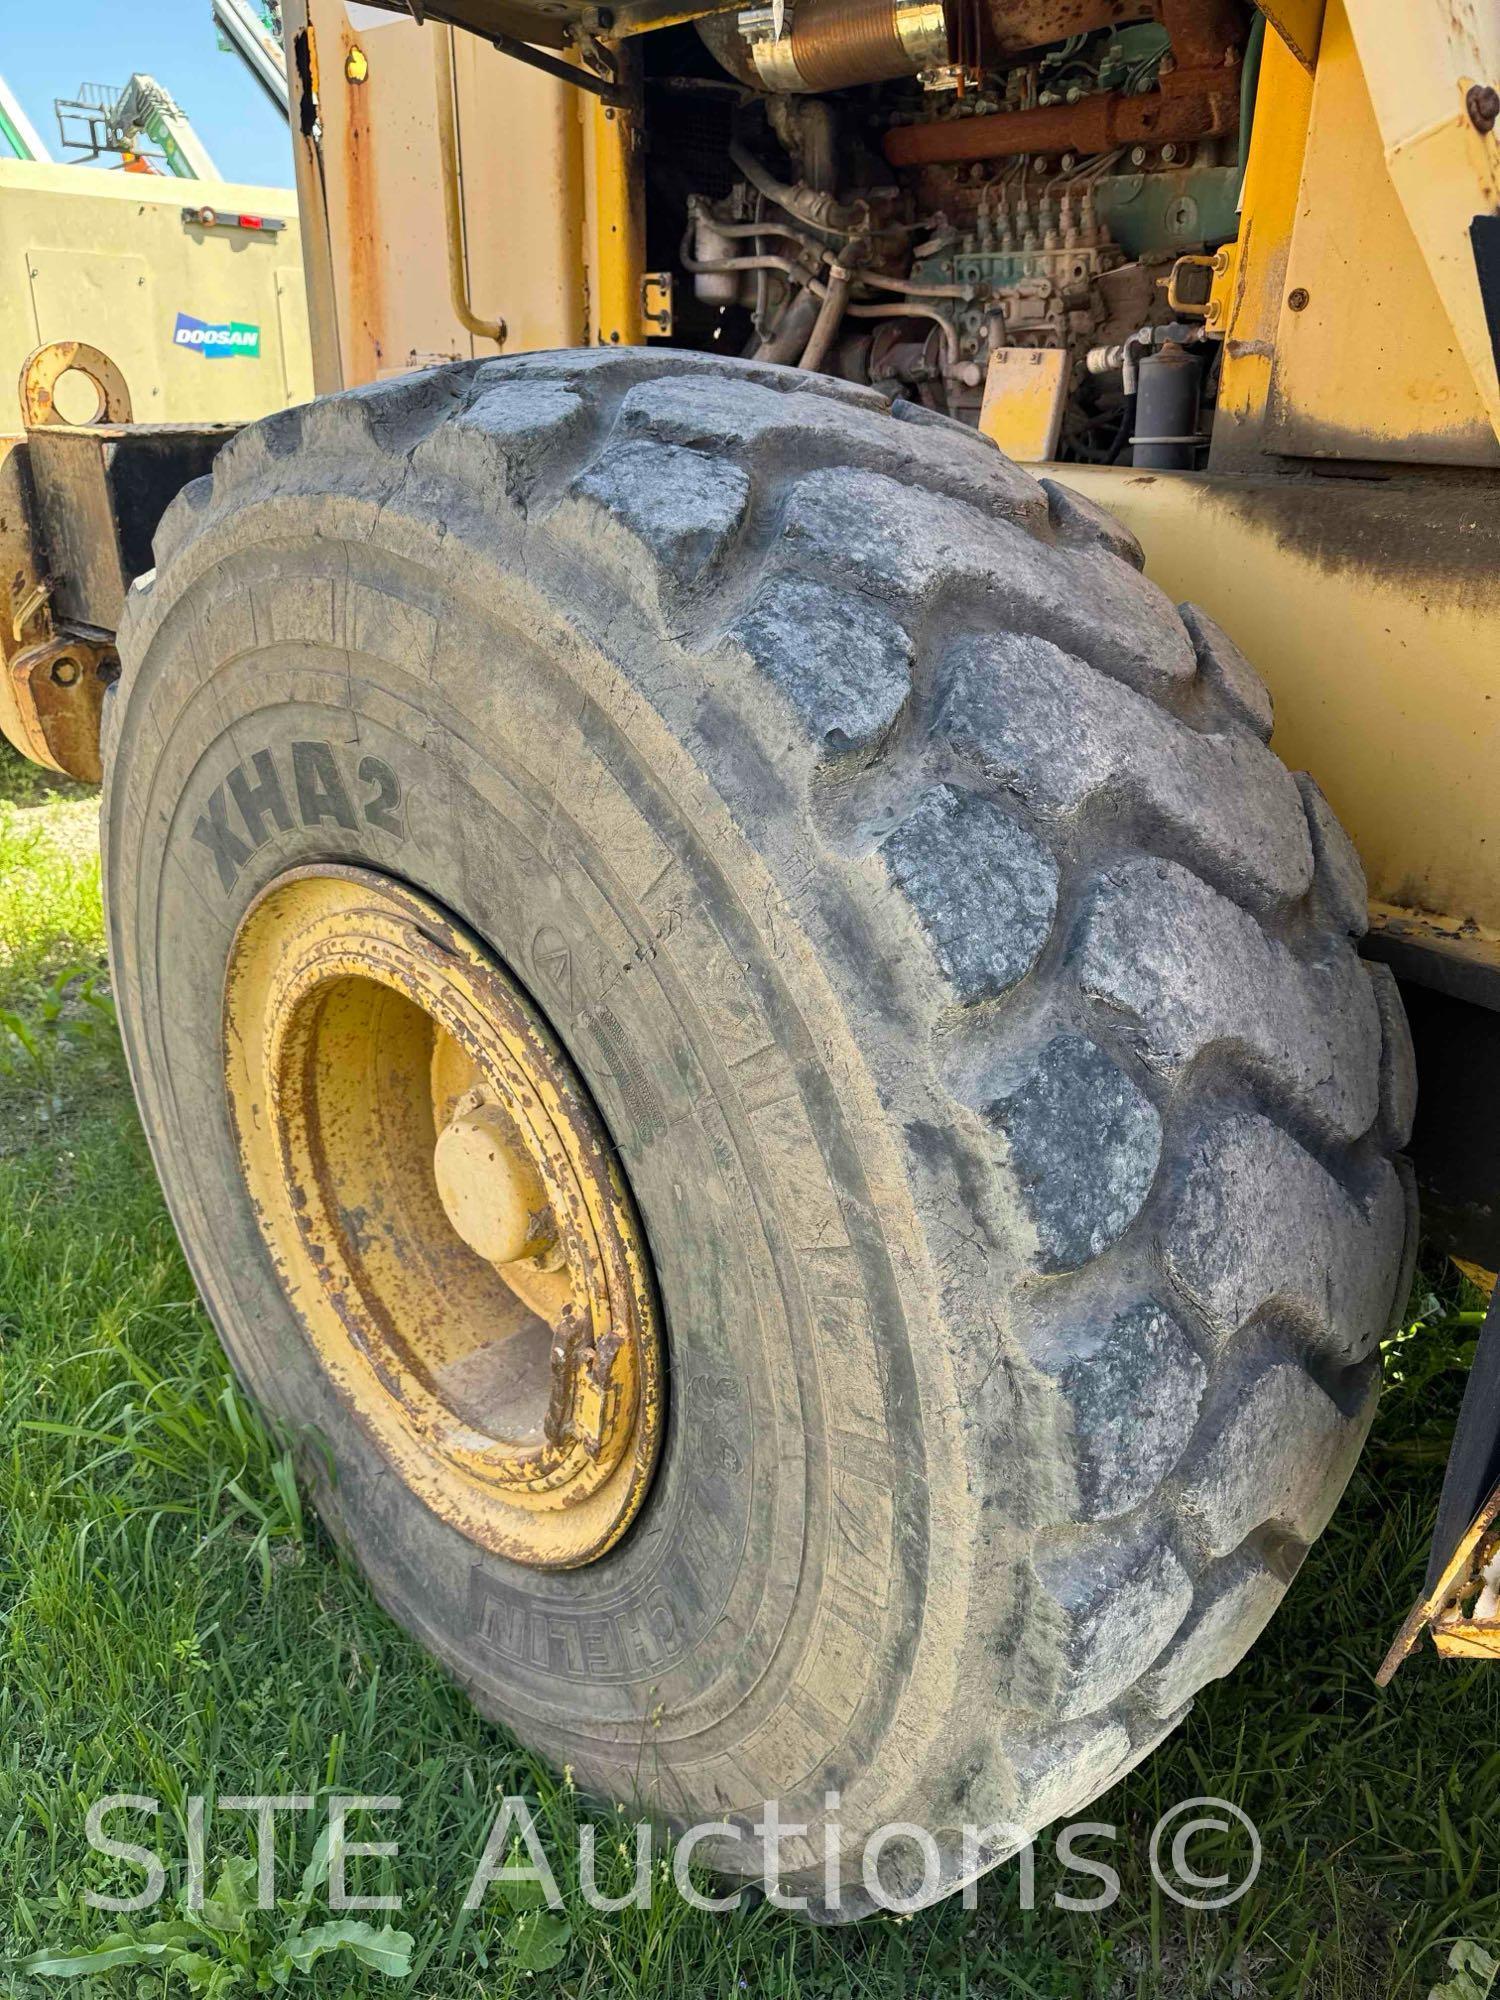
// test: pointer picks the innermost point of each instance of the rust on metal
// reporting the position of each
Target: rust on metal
(1482, 102)
(367, 250)
(1197, 98)
(52, 681)
(46, 366)
(57, 690)
(1019, 25)
(1095, 124)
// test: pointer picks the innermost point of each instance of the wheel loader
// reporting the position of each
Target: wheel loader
(748, 1039)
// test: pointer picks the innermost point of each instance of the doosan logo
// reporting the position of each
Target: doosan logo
(228, 338)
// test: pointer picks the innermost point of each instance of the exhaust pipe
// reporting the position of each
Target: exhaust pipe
(835, 44)
(828, 44)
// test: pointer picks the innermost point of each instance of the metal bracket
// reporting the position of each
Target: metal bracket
(656, 302)
(1190, 284)
(565, 72)
(45, 367)
(57, 689)
(766, 23)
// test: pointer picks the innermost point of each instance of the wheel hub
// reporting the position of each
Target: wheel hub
(446, 1213)
(489, 1185)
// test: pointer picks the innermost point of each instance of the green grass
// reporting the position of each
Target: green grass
(172, 1621)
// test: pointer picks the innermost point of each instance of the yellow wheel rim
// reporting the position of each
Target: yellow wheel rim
(445, 1212)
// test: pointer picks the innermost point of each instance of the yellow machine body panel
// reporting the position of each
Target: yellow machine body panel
(1347, 334)
(1381, 660)
(1354, 280)
(370, 176)
(207, 324)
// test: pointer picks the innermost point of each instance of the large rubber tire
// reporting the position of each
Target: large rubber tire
(968, 989)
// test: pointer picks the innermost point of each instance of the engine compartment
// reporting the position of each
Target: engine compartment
(909, 194)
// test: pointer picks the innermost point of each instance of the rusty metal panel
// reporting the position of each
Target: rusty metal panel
(22, 582)
(100, 492)
(369, 180)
